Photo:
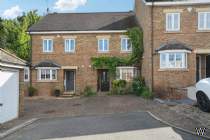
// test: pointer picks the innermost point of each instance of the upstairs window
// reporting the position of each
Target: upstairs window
(173, 60)
(204, 21)
(103, 45)
(47, 45)
(126, 45)
(172, 22)
(26, 74)
(69, 45)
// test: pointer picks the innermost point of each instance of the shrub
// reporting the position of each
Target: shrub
(88, 91)
(119, 87)
(32, 91)
(137, 86)
(146, 93)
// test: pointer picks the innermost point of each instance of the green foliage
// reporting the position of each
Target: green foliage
(146, 93)
(108, 63)
(88, 91)
(136, 36)
(120, 87)
(13, 35)
(32, 91)
(137, 86)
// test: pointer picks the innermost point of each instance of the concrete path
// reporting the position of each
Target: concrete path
(126, 126)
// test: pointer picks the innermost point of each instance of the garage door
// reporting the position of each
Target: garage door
(9, 95)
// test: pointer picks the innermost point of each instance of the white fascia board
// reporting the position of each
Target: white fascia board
(78, 32)
(12, 66)
(174, 51)
(171, 3)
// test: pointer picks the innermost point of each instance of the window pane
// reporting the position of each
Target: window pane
(201, 20)
(129, 45)
(48, 74)
(67, 46)
(54, 74)
(26, 74)
(43, 75)
(72, 45)
(171, 60)
(162, 60)
(176, 21)
(50, 45)
(123, 47)
(106, 45)
(179, 60)
(100, 45)
(208, 21)
(45, 46)
(169, 21)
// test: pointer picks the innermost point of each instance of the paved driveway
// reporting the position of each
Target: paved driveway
(123, 126)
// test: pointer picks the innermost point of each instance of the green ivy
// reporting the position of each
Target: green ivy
(136, 36)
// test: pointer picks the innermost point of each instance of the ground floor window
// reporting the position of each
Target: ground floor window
(47, 74)
(26, 74)
(127, 73)
(177, 60)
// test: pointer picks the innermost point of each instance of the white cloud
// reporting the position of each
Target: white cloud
(12, 12)
(69, 5)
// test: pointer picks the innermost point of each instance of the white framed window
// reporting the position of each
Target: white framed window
(126, 73)
(203, 20)
(173, 60)
(172, 22)
(47, 45)
(126, 45)
(47, 74)
(69, 45)
(26, 74)
(103, 45)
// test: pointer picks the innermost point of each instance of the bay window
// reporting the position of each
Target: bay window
(173, 60)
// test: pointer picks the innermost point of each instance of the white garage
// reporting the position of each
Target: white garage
(10, 85)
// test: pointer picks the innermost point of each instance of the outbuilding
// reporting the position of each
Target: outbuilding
(14, 76)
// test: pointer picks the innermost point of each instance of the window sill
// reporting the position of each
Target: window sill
(47, 81)
(173, 32)
(174, 69)
(69, 52)
(203, 31)
(103, 51)
(48, 53)
(125, 51)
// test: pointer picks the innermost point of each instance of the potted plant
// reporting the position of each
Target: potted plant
(57, 92)
(32, 91)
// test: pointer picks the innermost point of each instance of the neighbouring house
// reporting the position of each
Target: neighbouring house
(176, 44)
(64, 43)
(14, 78)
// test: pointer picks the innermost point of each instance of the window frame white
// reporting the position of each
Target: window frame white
(121, 69)
(204, 20)
(43, 46)
(103, 45)
(173, 29)
(28, 73)
(167, 65)
(39, 74)
(126, 45)
(65, 45)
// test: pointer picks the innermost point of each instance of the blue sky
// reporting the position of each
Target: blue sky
(13, 8)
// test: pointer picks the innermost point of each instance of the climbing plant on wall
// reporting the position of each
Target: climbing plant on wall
(136, 37)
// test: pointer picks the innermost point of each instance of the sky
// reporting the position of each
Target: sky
(10, 9)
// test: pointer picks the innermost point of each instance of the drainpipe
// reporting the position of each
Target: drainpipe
(152, 44)
(30, 63)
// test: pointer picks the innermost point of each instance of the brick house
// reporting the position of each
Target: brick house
(176, 42)
(63, 45)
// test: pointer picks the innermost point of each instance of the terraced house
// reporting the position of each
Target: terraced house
(63, 44)
(176, 42)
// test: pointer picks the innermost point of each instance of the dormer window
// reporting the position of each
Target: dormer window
(172, 22)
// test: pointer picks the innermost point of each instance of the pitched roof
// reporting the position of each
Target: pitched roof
(9, 58)
(85, 22)
(174, 46)
(47, 63)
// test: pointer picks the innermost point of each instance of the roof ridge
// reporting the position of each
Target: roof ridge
(120, 12)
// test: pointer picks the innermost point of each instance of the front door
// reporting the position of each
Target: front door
(103, 80)
(198, 68)
(70, 81)
(208, 66)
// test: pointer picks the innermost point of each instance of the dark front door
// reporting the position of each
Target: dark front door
(70, 80)
(208, 66)
(198, 68)
(103, 80)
